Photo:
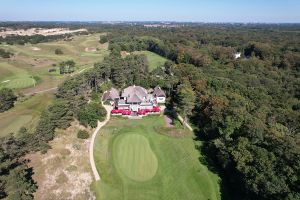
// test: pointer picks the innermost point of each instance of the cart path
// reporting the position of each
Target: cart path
(91, 149)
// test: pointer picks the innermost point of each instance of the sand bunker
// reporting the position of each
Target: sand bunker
(90, 49)
(124, 54)
(35, 49)
(5, 81)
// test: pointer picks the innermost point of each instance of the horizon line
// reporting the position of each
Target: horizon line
(150, 21)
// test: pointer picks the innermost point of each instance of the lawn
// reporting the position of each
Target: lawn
(153, 59)
(138, 161)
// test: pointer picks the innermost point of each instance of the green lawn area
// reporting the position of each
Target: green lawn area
(153, 59)
(24, 114)
(137, 161)
(14, 77)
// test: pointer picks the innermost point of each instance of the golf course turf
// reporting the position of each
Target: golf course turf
(134, 157)
(136, 161)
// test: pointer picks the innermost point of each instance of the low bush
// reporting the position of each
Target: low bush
(83, 134)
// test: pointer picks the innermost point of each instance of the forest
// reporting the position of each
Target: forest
(245, 110)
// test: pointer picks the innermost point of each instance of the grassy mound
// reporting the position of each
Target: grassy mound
(134, 157)
(179, 175)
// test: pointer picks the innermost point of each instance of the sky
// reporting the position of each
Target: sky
(261, 11)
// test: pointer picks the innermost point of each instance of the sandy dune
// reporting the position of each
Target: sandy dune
(39, 31)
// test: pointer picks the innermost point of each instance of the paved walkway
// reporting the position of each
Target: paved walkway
(91, 149)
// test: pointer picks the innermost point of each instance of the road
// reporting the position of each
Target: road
(91, 148)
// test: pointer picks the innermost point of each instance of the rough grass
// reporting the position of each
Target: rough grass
(134, 157)
(64, 171)
(179, 175)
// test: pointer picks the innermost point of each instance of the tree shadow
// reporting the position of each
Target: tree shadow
(207, 158)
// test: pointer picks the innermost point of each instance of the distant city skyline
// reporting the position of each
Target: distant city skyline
(255, 11)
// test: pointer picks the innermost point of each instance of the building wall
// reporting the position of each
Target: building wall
(161, 99)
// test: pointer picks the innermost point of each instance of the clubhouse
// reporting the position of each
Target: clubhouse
(135, 100)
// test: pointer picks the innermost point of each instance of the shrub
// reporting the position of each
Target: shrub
(83, 134)
(5, 54)
(58, 52)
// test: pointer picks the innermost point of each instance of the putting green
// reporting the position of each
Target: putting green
(134, 157)
(18, 83)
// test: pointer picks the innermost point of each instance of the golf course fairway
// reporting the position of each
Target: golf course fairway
(137, 160)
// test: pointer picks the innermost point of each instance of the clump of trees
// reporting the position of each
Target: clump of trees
(33, 39)
(5, 54)
(123, 71)
(67, 67)
(103, 39)
(7, 99)
(15, 176)
(91, 113)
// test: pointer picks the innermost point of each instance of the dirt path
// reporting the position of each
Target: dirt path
(55, 88)
(41, 91)
(91, 149)
(81, 71)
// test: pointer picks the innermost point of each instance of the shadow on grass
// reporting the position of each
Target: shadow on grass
(207, 155)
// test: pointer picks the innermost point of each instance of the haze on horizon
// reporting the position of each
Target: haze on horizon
(276, 11)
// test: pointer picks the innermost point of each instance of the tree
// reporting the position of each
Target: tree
(19, 184)
(186, 98)
(103, 39)
(7, 99)
(67, 67)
